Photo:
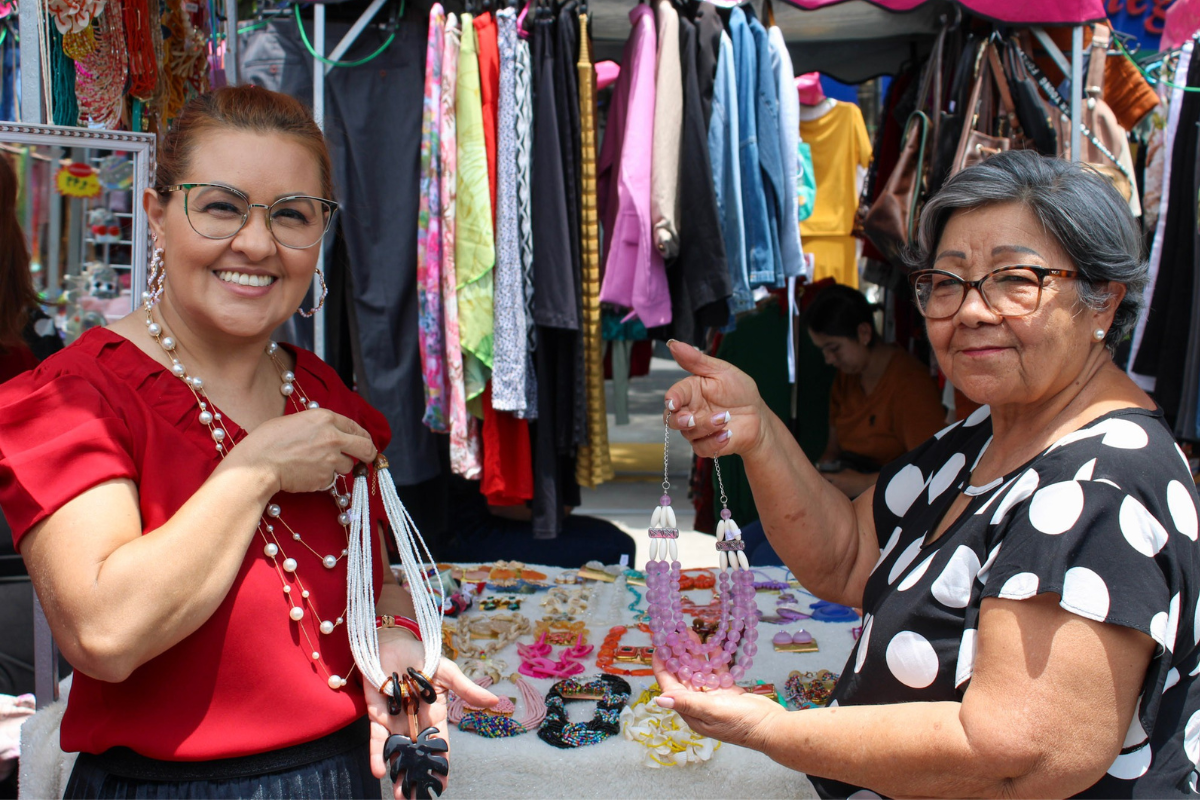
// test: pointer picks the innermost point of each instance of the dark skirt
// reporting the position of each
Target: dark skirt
(334, 766)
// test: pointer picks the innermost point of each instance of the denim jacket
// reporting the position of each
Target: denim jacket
(789, 140)
(760, 252)
(723, 138)
(770, 158)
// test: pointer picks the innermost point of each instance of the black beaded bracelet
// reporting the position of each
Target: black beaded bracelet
(610, 693)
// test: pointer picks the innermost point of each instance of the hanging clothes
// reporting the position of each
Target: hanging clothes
(524, 109)
(724, 149)
(489, 92)
(475, 253)
(511, 341)
(593, 463)
(789, 144)
(465, 459)
(1165, 343)
(699, 274)
(429, 233)
(770, 156)
(634, 275)
(840, 147)
(507, 455)
(709, 28)
(572, 430)
(668, 121)
(1147, 381)
(556, 307)
(760, 255)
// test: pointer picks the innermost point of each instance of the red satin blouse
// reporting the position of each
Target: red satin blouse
(245, 681)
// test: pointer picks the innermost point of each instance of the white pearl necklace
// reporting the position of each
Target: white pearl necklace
(210, 418)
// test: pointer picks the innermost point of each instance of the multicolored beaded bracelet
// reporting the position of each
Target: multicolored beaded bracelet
(610, 693)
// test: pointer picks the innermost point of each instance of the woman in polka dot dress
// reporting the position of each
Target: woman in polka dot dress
(1029, 576)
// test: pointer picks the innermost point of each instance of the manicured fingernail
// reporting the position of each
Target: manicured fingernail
(670, 342)
(670, 404)
(721, 419)
(664, 701)
(691, 421)
(723, 436)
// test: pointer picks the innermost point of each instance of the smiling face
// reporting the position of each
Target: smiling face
(243, 287)
(1016, 360)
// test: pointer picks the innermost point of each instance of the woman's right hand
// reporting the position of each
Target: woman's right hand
(302, 452)
(718, 409)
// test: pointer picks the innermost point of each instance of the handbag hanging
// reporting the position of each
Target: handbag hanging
(891, 221)
(1106, 158)
(1033, 113)
(976, 144)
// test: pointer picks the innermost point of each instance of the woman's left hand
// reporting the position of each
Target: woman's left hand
(731, 715)
(399, 650)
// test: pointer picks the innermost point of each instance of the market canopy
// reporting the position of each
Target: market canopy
(855, 40)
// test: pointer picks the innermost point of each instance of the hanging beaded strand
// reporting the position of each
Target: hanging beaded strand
(700, 664)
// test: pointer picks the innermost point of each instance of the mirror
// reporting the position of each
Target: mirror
(79, 204)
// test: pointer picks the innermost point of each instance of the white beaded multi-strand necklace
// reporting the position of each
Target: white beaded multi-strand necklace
(273, 549)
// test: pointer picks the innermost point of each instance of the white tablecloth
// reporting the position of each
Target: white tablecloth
(525, 766)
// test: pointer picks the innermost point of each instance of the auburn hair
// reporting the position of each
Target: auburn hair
(245, 108)
(17, 296)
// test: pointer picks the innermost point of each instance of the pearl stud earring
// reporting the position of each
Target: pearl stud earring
(1098, 334)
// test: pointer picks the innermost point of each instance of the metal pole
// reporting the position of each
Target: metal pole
(231, 42)
(1076, 89)
(45, 658)
(32, 111)
(319, 114)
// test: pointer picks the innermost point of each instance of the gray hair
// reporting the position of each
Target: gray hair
(1077, 205)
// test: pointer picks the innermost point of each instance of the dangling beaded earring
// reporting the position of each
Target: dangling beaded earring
(155, 278)
(320, 301)
(694, 663)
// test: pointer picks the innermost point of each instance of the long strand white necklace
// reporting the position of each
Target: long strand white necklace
(360, 601)
(284, 565)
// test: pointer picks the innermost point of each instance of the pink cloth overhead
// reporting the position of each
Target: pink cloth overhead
(1183, 20)
(1025, 12)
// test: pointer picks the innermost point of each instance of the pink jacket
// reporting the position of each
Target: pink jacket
(634, 275)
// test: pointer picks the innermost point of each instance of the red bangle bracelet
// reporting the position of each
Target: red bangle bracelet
(389, 621)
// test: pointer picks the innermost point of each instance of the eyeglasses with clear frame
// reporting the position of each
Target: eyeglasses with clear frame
(216, 211)
(1013, 291)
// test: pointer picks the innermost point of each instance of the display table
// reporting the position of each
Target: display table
(527, 766)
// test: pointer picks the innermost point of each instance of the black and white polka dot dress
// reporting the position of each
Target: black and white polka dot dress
(1106, 518)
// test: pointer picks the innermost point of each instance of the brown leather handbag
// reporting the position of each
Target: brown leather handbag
(977, 141)
(891, 221)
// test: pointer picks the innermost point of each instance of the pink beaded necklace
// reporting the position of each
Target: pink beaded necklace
(713, 663)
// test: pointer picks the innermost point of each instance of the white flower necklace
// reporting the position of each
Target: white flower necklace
(285, 566)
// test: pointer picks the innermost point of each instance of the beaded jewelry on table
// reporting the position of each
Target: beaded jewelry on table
(610, 693)
(500, 721)
(698, 663)
(667, 739)
(613, 652)
(809, 690)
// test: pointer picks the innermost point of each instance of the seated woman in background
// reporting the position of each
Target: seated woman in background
(883, 402)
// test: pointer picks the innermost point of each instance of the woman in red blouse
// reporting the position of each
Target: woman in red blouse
(177, 486)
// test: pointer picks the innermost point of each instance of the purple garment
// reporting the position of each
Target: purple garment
(634, 275)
